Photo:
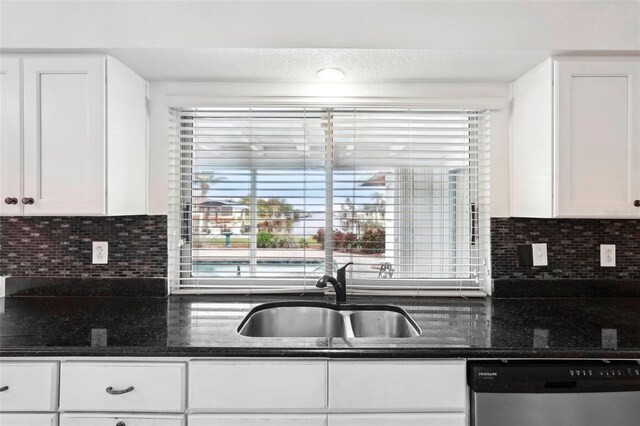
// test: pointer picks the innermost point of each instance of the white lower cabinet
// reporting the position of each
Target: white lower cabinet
(127, 386)
(233, 392)
(257, 385)
(28, 386)
(430, 419)
(257, 420)
(119, 420)
(31, 419)
(397, 386)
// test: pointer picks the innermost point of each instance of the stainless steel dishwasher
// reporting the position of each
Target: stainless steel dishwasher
(554, 393)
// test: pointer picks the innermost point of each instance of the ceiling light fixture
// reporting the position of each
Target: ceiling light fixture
(330, 74)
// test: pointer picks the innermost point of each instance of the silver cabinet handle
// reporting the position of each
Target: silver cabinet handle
(113, 391)
(4, 388)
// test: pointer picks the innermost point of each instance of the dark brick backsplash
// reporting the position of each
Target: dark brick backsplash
(573, 247)
(61, 246)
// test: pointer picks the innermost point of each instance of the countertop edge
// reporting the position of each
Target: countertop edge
(391, 353)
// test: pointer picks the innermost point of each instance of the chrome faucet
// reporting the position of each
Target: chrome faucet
(339, 284)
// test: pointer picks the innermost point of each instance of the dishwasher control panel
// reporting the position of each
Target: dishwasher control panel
(552, 376)
(601, 372)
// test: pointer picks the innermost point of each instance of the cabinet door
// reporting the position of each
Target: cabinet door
(64, 136)
(10, 138)
(597, 138)
(419, 419)
(28, 386)
(257, 420)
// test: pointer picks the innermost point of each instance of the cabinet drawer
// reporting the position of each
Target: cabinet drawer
(122, 386)
(31, 386)
(257, 420)
(113, 419)
(31, 419)
(431, 419)
(397, 386)
(257, 385)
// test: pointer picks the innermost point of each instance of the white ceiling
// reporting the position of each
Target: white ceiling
(301, 65)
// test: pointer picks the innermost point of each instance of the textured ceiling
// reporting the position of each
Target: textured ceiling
(301, 65)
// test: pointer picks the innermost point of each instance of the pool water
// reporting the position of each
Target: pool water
(263, 270)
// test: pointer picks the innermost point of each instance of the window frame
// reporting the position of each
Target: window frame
(401, 286)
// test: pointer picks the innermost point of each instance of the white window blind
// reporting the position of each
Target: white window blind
(269, 199)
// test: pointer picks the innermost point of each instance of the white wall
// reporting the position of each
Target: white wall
(164, 95)
(527, 25)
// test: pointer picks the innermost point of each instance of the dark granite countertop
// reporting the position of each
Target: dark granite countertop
(205, 326)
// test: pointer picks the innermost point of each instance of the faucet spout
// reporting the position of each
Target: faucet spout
(341, 291)
(341, 275)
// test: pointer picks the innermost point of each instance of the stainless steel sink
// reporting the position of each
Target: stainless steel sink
(293, 321)
(316, 319)
(381, 323)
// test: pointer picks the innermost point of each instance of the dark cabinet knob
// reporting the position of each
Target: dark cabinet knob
(27, 200)
(636, 203)
(11, 200)
(120, 424)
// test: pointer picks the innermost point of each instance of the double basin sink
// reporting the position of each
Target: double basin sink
(317, 319)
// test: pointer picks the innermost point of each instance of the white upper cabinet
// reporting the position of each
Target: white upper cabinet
(10, 137)
(64, 128)
(83, 145)
(597, 154)
(576, 140)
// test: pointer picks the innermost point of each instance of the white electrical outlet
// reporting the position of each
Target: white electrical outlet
(539, 254)
(608, 255)
(100, 252)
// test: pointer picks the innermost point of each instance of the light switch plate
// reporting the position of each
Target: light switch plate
(539, 254)
(100, 252)
(607, 255)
